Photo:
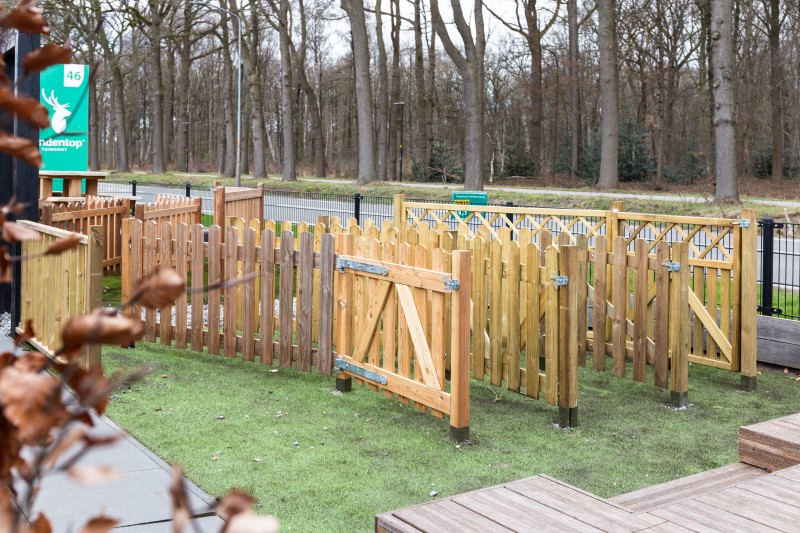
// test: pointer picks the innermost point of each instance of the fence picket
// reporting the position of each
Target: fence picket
(661, 355)
(326, 306)
(181, 246)
(267, 310)
(231, 294)
(197, 269)
(512, 315)
(599, 304)
(286, 299)
(249, 296)
(640, 312)
(619, 301)
(304, 301)
(215, 261)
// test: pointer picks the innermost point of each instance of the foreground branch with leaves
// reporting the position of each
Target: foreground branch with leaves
(47, 406)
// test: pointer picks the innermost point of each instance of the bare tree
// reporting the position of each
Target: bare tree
(364, 107)
(470, 66)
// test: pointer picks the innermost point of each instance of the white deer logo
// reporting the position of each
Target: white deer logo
(60, 113)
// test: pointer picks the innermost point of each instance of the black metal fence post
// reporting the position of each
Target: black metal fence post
(768, 226)
(357, 207)
(509, 216)
(188, 190)
(133, 188)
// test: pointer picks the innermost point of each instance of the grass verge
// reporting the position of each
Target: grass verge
(552, 199)
(327, 462)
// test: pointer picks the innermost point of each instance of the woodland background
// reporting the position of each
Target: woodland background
(527, 73)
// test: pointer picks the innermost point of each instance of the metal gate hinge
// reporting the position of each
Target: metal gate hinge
(452, 284)
(743, 223)
(342, 365)
(672, 266)
(560, 281)
(342, 264)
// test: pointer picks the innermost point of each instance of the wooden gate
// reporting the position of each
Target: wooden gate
(239, 202)
(396, 314)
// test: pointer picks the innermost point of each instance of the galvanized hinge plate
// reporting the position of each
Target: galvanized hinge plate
(342, 264)
(672, 266)
(343, 366)
(560, 281)
(451, 284)
(744, 223)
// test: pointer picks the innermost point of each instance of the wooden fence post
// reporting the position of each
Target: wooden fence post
(219, 205)
(344, 344)
(261, 203)
(127, 281)
(568, 337)
(198, 215)
(399, 210)
(582, 279)
(459, 347)
(747, 308)
(94, 298)
(326, 307)
(679, 325)
(138, 212)
(47, 214)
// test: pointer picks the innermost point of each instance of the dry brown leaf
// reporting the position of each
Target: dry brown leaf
(8, 509)
(27, 334)
(26, 17)
(159, 289)
(100, 524)
(100, 326)
(23, 149)
(181, 514)
(233, 503)
(31, 362)
(32, 403)
(26, 108)
(248, 522)
(10, 447)
(62, 245)
(91, 387)
(94, 475)
(47, 56)
(13, 232)
(74, 435)
(41, 525)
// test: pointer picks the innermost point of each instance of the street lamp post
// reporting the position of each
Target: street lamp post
(400, 172)
(238, 87)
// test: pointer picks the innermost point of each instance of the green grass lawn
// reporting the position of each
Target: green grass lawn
(326, 462)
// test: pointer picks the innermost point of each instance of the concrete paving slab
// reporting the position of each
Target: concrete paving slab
(138, 498)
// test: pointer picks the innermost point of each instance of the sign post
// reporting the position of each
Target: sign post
(65, 144)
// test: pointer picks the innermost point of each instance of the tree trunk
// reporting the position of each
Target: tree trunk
(775, 83)
(535, 127)
(420, 124)
(156, 97)
(382, 115)
(184, 84)
(430, 97)
(394, 91)
(256, 98)
(727, 176)
(366, 129)
(94, 127)
(575, 100)
(287, 96)
(609, 93)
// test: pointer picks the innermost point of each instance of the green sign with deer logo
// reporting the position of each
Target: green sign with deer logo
(64, 93)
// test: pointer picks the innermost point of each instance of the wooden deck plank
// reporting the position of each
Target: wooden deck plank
(388, 523)
(665, 494)
(448, 516)
(519, 513)
(781, 489)
(667, 527)
(756, 508)
(591, 510)
(792, 473)
(701, 517)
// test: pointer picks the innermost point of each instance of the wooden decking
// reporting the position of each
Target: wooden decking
(736, 498)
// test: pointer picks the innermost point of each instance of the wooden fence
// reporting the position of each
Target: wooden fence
(172, 209)
(242, 319)
(238, 202)
(80, 217)
(56, 288)
(720, 267)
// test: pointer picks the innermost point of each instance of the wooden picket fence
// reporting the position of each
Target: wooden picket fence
(238, 202)
(296, 328)
(720, 268)
(239, 319)
(56, 288)
(172, 209)
(80, 217)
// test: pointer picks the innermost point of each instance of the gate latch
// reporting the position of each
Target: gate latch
(452, 284)
(560, 281)
(342, 264)
(743, 223)
(341, 365)
(672, 266)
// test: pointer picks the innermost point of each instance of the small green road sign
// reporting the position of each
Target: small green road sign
(65, 144)
(469, 198)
